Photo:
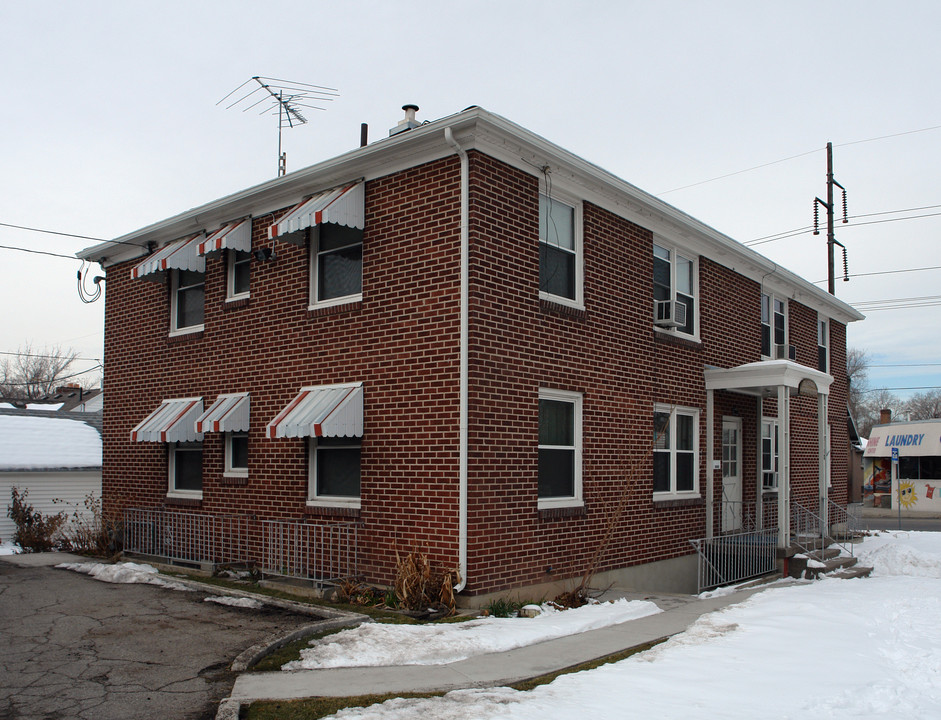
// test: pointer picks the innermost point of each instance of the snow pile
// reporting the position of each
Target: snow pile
(379, 644)
(9, 548)
(865, 648)
(28, 443)
(242, 602)
(123, 573)
(917, 554)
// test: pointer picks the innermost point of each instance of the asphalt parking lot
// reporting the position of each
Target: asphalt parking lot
(75, 647)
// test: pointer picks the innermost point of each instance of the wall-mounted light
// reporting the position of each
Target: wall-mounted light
(264, 254)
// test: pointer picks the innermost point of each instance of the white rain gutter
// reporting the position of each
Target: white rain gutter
(462, 422)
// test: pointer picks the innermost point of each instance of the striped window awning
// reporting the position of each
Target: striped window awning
(178, 255)
(173, 421)
(229, 413)
(342, 205)
(234, 236)
(324, 411)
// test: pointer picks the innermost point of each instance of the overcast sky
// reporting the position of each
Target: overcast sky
(109, 122)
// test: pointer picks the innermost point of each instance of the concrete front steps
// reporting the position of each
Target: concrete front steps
(826, 561)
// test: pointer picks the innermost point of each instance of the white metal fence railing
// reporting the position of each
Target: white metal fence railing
(734, 557)
(324, 552)
(185, 537)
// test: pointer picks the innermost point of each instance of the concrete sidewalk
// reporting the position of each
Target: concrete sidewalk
(505, 668)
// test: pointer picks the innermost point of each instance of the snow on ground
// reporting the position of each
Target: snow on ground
(242, 602)
(126, 572)
(9, 548)
(903, 553)
(381, 644)
(865, 648)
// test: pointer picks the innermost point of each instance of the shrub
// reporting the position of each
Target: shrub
(92, 531)
(418, 588)
(35, 532)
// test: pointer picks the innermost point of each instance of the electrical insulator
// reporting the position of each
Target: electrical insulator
(846, 267)
(816, 218)
(844, 207)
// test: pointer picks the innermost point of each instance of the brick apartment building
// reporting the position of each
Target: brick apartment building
(464, 338)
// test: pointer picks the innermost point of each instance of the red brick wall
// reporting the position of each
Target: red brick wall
(402, 342)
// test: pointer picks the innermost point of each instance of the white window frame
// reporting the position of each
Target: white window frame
(231, 262)
(555, 196)
(772, 298)
(823, 342)
(313, 274)
(775, 453)
(673, 493)
(316, 500)
(172, 491)
(574, 500)
(230, 469)
(693, 259)
(174, 295)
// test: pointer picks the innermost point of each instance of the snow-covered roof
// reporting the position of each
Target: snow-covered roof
(43, 441)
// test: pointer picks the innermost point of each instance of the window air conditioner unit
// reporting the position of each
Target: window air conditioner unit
(785, 352)
(669, 313)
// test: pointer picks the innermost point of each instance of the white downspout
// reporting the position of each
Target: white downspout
(465, 314)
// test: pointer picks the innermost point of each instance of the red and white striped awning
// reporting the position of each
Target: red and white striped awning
(234, 236)
(178, 255)
(342, 205)
(229, 413)
(173, 421)
(324, 411)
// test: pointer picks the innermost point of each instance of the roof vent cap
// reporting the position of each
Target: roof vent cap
(408, 122)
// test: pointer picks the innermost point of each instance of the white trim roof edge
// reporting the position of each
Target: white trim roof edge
(426, 141)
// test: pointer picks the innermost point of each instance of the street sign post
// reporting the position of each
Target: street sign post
(896, 482)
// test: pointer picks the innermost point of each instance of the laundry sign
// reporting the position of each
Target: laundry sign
(916, 439)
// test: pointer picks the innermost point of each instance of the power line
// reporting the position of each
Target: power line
(38, 252)
(51, 232)
(916, 387)
(58, 379)
(908, 365)
(799, 155)
(886, 272)
(797, 231)
(46, 355)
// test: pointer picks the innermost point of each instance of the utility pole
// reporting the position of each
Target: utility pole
(831, 235)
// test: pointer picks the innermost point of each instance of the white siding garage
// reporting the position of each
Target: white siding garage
(55, 456)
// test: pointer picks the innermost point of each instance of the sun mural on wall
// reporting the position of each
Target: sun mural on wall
(907, 496)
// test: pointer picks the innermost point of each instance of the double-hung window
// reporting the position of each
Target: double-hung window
(769, 454)
(674, 284)
(186, 301)
(186, 469)
(237, 274)
(335, 464)
(560, 448)
(560, 254)
(336, 267)
(773, 324)
(823, 345)
(675, 451)
(236, 454)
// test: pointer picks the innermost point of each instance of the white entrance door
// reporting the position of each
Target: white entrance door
(731, 474)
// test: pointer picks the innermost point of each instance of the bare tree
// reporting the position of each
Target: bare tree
(871, 407)
(31, 375)
(924, 406)
(857, 371)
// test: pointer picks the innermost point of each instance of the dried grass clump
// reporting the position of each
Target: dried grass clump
(418, 588)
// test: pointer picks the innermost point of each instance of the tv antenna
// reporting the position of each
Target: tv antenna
(283, 98)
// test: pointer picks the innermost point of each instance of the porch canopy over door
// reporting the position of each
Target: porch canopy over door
(771, 379)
